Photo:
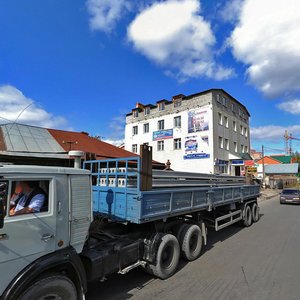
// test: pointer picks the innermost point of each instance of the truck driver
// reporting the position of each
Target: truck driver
(30, 199)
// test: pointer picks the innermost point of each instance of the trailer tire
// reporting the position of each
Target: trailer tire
(51, 287)
(247, 220)
(167, 257)
(255, 212)
(191, 242)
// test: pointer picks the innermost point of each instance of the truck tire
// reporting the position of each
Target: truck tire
(255, 212)
(167, 257)
(247, 220)
(52, 287)
(191, 242)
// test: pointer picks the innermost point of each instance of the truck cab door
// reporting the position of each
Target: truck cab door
(26, 237)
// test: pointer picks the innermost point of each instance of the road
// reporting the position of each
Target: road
(259, 262)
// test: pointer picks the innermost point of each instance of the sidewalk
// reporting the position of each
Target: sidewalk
(268, 194)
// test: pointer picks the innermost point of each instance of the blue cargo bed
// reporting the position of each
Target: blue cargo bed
(117, 194)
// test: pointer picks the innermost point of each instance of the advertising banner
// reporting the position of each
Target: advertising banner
(198, 120)
(162, 134)
(196, 147)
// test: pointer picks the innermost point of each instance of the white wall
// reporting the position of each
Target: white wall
(176, 157)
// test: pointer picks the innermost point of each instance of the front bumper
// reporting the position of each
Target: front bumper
(289, 200)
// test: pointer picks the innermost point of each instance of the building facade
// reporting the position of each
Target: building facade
(207, 132)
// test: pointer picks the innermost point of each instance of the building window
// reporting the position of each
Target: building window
(220, 119)
(177, 144)
(226, 144)
(235, 146)
(246, 132)
(240, 112)
(218, 98)
(134, 130)
(224, 101)
(246, 149)
(134, 148)
(161, 124)
(160, 146)
(242, 130)
(233, 107)
(135, 113)
(177, 102)
(226, 121)
(161, 106)
(242, 148)
(177, 121)
(221, 142)
(147, 111)
(234, 125)
(146, 127)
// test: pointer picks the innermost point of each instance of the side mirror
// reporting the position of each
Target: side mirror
(3, 200)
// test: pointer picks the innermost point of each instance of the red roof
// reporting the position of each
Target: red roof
(71, 140)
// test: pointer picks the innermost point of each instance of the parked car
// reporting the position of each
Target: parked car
(290, 196)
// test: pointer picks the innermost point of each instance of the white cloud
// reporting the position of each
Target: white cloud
(13, 102)
(104, 14)
(273, 133)
(292, 106)
(116, 143)
(174, 35)
(231, 11)
(266, 39)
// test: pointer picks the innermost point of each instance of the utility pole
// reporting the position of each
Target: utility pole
(263, 161)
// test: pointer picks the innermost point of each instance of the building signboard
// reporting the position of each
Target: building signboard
(198, 120)
(237, 162)
(196, 147)
(162, 134)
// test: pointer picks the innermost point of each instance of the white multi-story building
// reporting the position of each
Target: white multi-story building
(207, 132)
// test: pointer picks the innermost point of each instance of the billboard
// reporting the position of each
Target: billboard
(162, 134)
(196, 147)
(198, 120)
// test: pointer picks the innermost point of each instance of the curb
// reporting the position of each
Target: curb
(262, 198)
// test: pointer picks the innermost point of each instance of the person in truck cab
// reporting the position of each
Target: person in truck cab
(28, 198)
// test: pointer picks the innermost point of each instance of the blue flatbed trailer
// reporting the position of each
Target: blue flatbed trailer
(114, 197)
(140, 222)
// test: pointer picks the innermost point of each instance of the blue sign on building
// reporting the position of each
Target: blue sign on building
(196, 156)
(237, 162)
(162, 134)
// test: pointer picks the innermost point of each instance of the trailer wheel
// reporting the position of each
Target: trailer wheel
(247, 220)
(167, 257)
(53, 287)
(255, 212)
(191, 242)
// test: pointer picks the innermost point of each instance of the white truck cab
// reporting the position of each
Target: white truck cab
(61, 225)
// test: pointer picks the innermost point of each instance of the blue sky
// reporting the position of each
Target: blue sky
(82, 65)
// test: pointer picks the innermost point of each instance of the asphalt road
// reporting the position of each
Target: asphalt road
(259, 262)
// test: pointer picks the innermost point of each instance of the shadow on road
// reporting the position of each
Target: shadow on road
(121, 286)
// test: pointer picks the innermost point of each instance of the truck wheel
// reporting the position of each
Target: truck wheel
(167, 257)
(255, 212)
(247, 220)
(191, 242)
(51, 288)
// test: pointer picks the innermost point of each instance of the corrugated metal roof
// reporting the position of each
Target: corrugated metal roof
(282, 169)
(24, 138)
(285, 159)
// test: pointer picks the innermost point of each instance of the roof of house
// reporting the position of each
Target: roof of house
(285, 159)
(32, 141)
(71, 140)
(282, 169)
(267, 160)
